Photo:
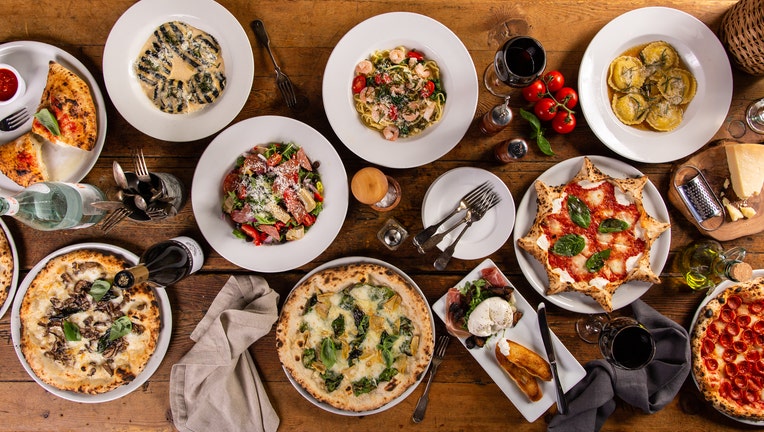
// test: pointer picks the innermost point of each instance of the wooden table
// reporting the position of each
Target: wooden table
(303, 34)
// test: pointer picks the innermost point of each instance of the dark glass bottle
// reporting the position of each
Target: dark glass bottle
(164, 263)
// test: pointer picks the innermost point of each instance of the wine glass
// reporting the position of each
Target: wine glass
(623, 341)
(754, 116)
(516, 64)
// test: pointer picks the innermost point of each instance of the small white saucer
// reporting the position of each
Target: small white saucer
(485, 236)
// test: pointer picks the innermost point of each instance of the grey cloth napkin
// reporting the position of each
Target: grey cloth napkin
(215, 386)
(651, 388)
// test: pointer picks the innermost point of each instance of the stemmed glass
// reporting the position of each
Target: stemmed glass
(623, 341)
(516, 64)
(754, 116)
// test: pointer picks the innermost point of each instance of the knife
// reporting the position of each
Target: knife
(546, 337)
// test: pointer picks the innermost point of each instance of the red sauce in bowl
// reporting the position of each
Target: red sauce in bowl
(9, 84)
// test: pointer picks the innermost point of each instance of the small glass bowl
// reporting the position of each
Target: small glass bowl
(20, 90)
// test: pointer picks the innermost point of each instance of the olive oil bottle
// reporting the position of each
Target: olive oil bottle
(705, 263)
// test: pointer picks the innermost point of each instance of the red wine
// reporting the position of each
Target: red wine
(633, 347)
(164, 263)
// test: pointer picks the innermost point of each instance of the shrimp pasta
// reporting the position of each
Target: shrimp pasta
(398, 92)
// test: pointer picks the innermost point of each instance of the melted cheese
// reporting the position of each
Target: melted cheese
(746, 165)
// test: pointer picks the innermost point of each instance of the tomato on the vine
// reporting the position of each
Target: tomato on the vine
(567, 96)
(545, 109)
(359, 83)
(564, 122)
(554, 80)
(535, 91)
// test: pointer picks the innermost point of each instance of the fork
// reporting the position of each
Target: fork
(15, 120)
(435, 239)
(282, 80)
(114, 218)
(488, 202)
(440, 353)
(467, 201)
(141, 170)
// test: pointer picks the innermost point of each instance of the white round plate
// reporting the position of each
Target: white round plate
(534, 272)
(163, 342)
(219, 159)
(131, 32)
(15, 275)
(31, 60)
(404, 395)
(710, 296)
(699, 49)
(485, 236)
(438, 43)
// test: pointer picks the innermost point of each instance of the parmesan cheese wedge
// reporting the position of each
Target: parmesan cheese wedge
(746, 165)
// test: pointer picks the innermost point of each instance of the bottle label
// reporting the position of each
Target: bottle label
(195, 252)
(13, 206)
(38, 187)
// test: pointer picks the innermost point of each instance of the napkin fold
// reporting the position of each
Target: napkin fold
(651, 388)
(215, 386)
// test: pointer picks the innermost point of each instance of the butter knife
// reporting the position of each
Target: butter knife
(546, 337)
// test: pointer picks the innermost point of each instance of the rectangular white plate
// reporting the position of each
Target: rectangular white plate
(526, 333)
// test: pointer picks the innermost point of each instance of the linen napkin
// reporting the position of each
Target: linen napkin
(215, 386)
(651, 388)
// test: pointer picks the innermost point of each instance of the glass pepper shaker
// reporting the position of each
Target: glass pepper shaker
(510, 150)
(496, 119)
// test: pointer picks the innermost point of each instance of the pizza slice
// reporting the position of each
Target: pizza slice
(21, 160)
(66, 115)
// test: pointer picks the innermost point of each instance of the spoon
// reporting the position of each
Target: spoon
(140, 202)
(119, 176)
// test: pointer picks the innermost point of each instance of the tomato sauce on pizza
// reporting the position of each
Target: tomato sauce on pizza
(728, 350)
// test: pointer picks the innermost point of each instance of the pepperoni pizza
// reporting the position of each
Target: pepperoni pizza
(593, 234)
(728, 350)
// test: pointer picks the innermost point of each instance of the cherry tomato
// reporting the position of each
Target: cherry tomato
(428, 89)
(545, 109)
(535, 91)
(415, 55)
(564, 122)
(554, 80)
(567, 96)
(359, 83)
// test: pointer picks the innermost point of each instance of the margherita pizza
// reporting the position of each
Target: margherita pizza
(81, 333)
(69, 104)
(593, 234)
(728, 350)
(355, 336)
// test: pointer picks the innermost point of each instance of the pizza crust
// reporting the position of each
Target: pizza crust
(6, 267)
(548, 196)
(291, 341)
(61, 287)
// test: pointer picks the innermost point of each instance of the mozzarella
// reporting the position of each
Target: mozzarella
(490, 316)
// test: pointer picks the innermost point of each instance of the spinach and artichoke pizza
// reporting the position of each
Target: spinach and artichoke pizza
(79, 332)
(355, 336)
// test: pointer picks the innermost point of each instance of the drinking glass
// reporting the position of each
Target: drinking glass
(754, 116)
(516, 64)
(623, 341)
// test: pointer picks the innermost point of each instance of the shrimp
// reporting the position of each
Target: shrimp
(368, 94)
(411, 112)
(378, 112)
(429, 109)
(364, 67)
(390, 133)
(397, 55)
(421, 71)
(397, 90)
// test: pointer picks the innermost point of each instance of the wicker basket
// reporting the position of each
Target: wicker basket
(742, 34)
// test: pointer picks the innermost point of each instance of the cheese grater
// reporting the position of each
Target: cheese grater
(700, 200)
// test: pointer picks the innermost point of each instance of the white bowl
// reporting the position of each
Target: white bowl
(20, 90)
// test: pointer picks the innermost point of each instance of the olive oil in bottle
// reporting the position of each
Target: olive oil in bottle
(704, 264)
(164, 263)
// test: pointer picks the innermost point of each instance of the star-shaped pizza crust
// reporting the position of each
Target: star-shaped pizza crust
(599, 283)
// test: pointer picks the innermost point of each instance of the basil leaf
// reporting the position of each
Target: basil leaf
(71, 331)
(579, 212)
(569, 245)
(120, 327)
(98, 288)
(612, 225)
(538, 132)
(338, 325)
(332, 380)
(328, 353)
(47, 119)
(597, 261)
